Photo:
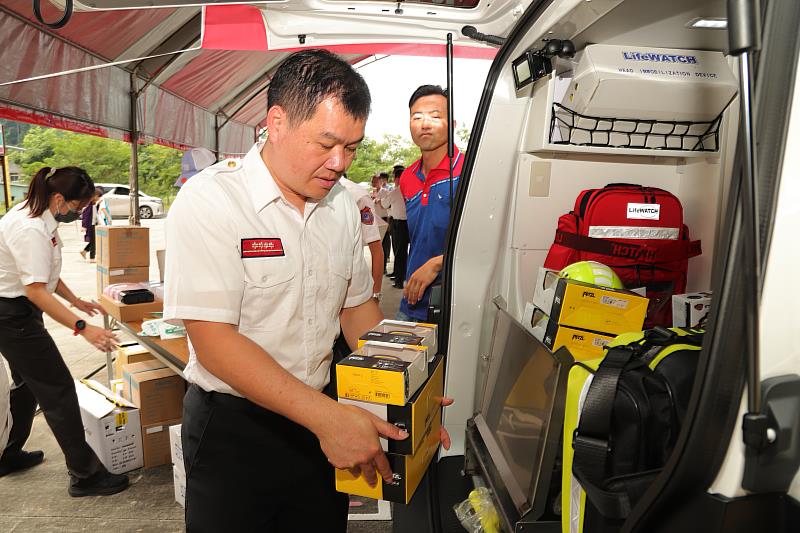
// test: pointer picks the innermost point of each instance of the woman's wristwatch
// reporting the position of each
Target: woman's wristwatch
(377, 296)
(78, 328)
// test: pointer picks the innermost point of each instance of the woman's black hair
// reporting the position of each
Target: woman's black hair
(72, 183)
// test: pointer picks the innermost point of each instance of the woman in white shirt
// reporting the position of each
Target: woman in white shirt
(30, 267)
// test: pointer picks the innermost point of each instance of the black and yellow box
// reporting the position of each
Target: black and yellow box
(407, 470)
(415, 416)
(583, 344)
(401, 332)
(585, 306)
(382, 372)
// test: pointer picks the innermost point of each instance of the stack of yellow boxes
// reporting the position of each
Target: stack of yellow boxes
(396, 375)
(581, 316)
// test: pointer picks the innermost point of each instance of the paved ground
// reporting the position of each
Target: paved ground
(37, 500)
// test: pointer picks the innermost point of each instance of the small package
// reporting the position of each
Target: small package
(400, 332)
(163, 329)
(688, 310)
(111, 426)
(415, 416)
(407, 470)
(111, 276)
(381, 372)
(582, 344)
(156, 390)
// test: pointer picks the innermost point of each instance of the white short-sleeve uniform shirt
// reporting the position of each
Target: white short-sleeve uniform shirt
(370, 221)
(30, 251)
(239, 253)
(396, 204)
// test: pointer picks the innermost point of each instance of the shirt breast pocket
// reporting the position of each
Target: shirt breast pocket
(270, 297)
(341, 271)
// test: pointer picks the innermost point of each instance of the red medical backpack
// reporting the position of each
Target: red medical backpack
(639, 232)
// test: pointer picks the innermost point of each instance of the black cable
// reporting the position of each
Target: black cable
(60, 23)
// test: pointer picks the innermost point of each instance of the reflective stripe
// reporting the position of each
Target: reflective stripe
(633, 232)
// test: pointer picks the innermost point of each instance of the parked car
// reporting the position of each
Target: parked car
(119, 201)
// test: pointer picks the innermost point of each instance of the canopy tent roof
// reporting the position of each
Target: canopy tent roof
(213, 93)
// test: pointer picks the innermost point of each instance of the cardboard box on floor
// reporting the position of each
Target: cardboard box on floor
(111, 426)
(156, 443)
(129, 313)
(123, 246)
(407, 471)
(128, 354)
(109, 276)
(156, 390)
(176, 447)
(415, 416)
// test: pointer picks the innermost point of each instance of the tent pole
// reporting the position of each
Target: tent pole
(217, 127)
(133, 180)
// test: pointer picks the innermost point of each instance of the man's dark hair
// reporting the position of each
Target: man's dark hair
(426, 90)
(397, 170)
(384, 175)
(308, 77)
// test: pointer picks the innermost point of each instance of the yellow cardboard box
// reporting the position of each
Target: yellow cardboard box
(581, 343)
(382, 372)
(415, 416)
(585, 306)
(407, 471)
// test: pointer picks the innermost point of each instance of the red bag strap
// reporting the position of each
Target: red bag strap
(663, 253)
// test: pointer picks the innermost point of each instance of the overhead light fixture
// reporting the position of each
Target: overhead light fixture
(708, 23)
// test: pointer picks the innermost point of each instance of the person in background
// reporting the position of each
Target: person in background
(396, 205)
(379, 191)
(5, 411)
(370, 231)
(89, 221)
(426, 189)
(30, 267)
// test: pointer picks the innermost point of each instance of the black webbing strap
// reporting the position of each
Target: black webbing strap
(667, 251)
(590, 440)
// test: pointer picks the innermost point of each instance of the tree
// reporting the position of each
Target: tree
(105, 160)
(374, 156)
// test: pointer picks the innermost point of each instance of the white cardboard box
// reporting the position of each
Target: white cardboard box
(112, 427)
(179, 483)
(176, 448)
(688, 309)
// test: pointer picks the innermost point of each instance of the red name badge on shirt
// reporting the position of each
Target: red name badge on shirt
(272, 247)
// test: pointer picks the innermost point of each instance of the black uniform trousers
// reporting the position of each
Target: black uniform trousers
(400, 245)
(41, 376)
(249, 469)
(387, 241)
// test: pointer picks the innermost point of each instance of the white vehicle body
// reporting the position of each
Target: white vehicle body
(119, 201)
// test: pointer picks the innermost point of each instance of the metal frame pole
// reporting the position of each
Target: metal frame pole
(133, 180)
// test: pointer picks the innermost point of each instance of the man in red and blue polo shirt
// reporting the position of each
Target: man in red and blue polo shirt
(426, 188)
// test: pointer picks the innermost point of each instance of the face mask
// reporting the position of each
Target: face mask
(70, 216)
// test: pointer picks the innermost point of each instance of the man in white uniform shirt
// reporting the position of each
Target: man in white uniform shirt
(370, 231)
(265, 260)
(394, 202)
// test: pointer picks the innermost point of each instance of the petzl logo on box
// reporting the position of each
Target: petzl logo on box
(272, 247)
(644, 211)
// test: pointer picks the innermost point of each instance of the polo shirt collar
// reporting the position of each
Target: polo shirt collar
(49, 221)
(260, 184)
(443, 164)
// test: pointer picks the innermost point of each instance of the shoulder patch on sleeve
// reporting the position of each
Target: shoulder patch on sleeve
(367, 218)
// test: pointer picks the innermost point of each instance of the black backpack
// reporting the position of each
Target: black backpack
(630, 420)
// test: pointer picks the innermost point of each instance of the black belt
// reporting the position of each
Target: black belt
(229, 401)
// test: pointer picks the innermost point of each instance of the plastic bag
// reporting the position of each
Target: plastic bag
(477, 513)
